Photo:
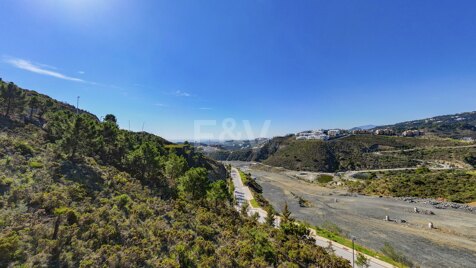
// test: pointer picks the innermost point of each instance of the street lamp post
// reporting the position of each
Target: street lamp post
(353, 249)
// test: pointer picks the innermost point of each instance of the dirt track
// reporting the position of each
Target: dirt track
(451, 244)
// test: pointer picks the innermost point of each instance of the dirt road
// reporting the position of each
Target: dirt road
(451, 244)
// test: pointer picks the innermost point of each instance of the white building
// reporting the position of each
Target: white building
(311, 135)
(412, 133)
(333, 132)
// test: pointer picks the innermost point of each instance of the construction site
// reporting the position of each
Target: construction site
(426, 234)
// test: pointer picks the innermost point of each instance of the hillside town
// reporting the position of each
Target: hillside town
(328, 134)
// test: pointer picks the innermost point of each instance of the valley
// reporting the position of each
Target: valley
(236, 134)
(355, 152)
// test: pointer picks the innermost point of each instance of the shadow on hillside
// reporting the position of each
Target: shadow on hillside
(8, 123)
(82, 173)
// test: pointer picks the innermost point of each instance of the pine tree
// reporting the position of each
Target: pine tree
(244, 208)
(12, 98)
(286, 213)
(218, 192)
(145, 162)
(113, 146)
(110, 118)
(33, 103)
(175, 166)
(362, 261)
(270, 217)
(43, 107)
(194, 184)
(80, 137)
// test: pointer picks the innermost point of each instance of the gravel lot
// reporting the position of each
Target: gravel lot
(451, 244)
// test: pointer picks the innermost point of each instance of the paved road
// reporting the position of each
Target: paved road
(346, 252)
(243, 194)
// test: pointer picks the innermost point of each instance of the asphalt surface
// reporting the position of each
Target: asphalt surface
(243, 194)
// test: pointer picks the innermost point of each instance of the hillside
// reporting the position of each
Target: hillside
(452, 126)
(355, 152)
(77, 192)
(350, 153)
(450, 185)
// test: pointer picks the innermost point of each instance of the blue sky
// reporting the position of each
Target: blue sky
(300, 64)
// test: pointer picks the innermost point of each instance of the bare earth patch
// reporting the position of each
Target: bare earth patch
(451, 244)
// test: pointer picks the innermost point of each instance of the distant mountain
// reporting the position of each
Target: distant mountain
(363, 151)
(364, 127)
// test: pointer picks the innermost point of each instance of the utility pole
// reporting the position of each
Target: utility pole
(77, 105)
(129, 125)
(353, 258)
(143, 123)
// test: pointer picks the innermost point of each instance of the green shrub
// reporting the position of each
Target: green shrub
(24, 148)
(35, 164)
(454, 185)
(362, 261)
(122, 200)
(5, 181)
(323, 178)
(422, 170)
(71, 215)
(364, 175)
(9, 248)
(471, 159)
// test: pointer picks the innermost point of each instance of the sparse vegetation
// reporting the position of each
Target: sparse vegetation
(452, 185)
(334, 235)
(341, 239)
(258, 200)
(254, 203)
(302, 202)
(450, 126)
(83, 193)
(362, 261)
(390, 252)
(323, 178)
(351, 153)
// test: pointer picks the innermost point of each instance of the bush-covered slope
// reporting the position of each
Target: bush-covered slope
(452, 185)
(348, 153)
(76, 192)
(453, 126)
(351, 153)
